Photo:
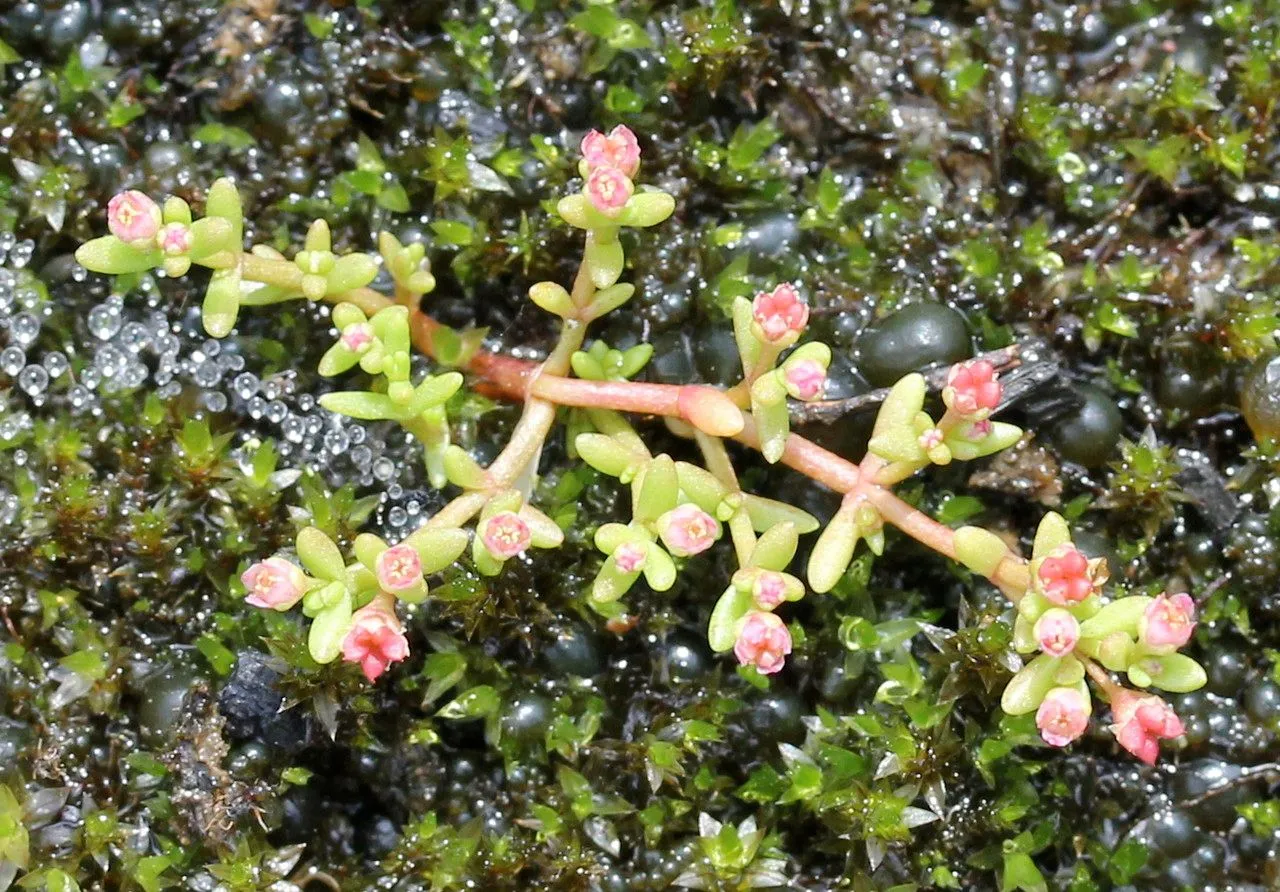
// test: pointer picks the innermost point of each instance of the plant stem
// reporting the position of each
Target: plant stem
(718, 463)
(544, 386)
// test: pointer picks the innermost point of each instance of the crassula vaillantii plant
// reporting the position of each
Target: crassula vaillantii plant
(1068, 628)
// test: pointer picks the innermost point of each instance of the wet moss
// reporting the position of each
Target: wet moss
(1094, 181)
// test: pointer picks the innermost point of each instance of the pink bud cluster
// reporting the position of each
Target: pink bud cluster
(1167, 623)
(1068, 577)
(611, 161)
(506, 535)
(780, 314)
(1063, 716)
(972, 390)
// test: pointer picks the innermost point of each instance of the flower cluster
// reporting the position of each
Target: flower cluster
(1062, 616)
(763, 328)
(352, 605)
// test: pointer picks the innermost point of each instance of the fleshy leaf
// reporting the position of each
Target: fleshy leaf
(608, 299)
(604, 260)
(463, 470)
(434, 390)
(211, 235)
(367, 547)
(1026, 689)
(748, 345)
(328, 629)
(337, 359)
(351, 271)
(320, 555)
(1172, 672)
(1001, 436)
(1052, 533)
(223, 201)
(647, 209)
(113, 257)
(834, 550)
(655, 489)
(980, 550)
(1121, 615)
(764, 513)
(221, 302)
(775, 548)
(700, 486)
(438, 547)
(901, 406)
(545, 532)
(611, 583)
(726, 618)
(659, 569)
(359, 404)
(606, 454)
(573, 210)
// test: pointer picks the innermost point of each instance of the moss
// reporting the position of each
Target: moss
(1096, 183)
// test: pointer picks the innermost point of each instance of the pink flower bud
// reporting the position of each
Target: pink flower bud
(133, 217)
(1057, 632)
(619, 150)
(609, 189)
(780, 313)
(399, 568)
(174, 239)
(376, 640)
(1063, 716)
(930, 439)
(630, 557)
(275, 583)
(1068, 577)
(358, 338)
(805, 379)
(688, 530)
(1141, 722)
(769, 589)
(972, 388)
(764, 642)
(506, 535)
(1168, 622)
(978, 431)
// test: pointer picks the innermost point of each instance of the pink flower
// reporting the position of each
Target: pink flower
(780, 313)
(133, 217)
(805, 379)
(358, 338)
(1067, 577)
(630, 557)
(1141, 722)
(1168, 622)
(764, 642)
(399, 568)
(619, 150)
(688, 530)
(769, 589)
(275, 583)
(1057, 632)
(609, 189)
(972, 388)
(174, 239)
(376, 640)
(505, 535)
(1063, 716)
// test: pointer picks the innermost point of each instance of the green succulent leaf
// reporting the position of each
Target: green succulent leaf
(1052, 533)
(775, 548)
(766, 513)
(604, 260)
(726, 618)
(362, 405)
(113, 257)
(351, 271)
(221, 302)
(328, 629)
(1027, 688)
(320, 555)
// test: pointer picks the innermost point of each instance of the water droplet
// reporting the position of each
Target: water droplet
(33, 379)
(24, 329)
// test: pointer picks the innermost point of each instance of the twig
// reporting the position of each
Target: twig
(827, 411)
